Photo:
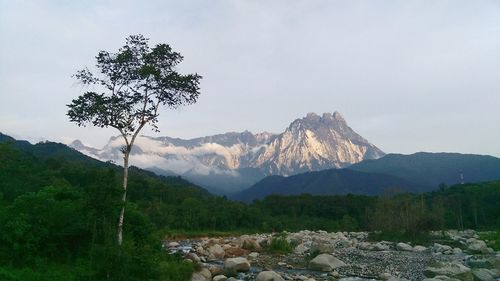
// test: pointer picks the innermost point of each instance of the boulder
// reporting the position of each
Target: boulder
(268, 276)
(219, 278)
(482, 274)
(215, 269)
(173, 244)
(253, 255)
(367, 246)
(385, 276)
(237, 265)
(404, 247)
(451, 269)
(381, 247)
(301, 249)
(198, 277)
(419, 248)
(216, 251)
(235, 252)
(251, 245)
(202, 275)
(325, 262)
(477, 246)
(205, 273)
(439, 248)
(194, 257)
(322, 247)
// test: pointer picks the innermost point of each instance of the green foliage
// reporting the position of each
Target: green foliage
(58, 214)
(133, 83)
(492, 238)
(279, 244)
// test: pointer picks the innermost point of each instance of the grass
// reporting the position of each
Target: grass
(492, 238)
(279, 245)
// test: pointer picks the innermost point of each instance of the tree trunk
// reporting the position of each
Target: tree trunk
(124, 196)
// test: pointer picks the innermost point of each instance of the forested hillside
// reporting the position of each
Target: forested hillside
(59, 209)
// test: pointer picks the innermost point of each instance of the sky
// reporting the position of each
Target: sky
(407, 75)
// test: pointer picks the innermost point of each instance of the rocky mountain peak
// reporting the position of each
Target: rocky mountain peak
(310, 143)
(315, 142)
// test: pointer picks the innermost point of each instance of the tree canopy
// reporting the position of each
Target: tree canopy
(133, 82)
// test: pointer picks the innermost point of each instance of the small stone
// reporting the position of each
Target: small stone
(253, 255)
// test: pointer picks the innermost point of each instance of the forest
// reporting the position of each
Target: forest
(58, 213)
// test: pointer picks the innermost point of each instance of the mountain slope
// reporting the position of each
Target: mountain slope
(431, 169)
(25, 166)
(419, 172)
(327, 182)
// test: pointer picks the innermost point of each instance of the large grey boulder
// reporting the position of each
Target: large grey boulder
(380, 246)
(269, 276)
(482, 274)
(451, 269)
(325, 262)
(477, 246)
(237, 265)
(404, 247)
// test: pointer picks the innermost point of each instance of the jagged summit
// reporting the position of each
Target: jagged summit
(313, 143)
(310, 143)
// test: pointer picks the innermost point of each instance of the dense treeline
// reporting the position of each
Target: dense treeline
(58, 213)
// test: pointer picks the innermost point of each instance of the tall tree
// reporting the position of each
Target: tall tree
(132, 84)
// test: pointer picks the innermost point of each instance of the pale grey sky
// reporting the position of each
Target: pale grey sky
(407, 75)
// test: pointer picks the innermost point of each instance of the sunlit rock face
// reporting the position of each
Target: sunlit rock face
(315, 143)
(308, 144)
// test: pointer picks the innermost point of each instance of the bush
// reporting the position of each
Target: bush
(280, 245)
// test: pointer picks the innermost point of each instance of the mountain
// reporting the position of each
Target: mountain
(27, 167)
(227, 163)
(431, 169)
(416, 173)
(315, 143)
(326, 182)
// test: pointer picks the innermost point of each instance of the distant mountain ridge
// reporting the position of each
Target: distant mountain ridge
(232, 161)
(326, 182)
(415, 173)
(431, 169)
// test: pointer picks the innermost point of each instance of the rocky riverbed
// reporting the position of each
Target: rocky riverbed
(346, 256)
